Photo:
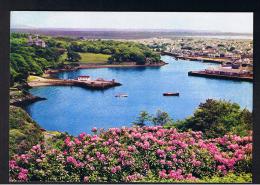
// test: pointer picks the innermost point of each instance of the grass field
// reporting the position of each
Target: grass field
(93, 57)
(32, 78)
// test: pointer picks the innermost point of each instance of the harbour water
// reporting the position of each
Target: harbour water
(76, 110)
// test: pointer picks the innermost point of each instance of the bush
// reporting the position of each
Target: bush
(133, 154)
(216, 118)
(24, 132)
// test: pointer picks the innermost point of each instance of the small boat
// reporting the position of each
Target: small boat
(170, 94)
(121, 95)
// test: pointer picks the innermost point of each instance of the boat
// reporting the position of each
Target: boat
(171, 94)
(121, 95)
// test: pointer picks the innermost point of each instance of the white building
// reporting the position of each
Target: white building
(84, 78)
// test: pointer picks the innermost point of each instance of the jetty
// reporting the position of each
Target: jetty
(221, 76)
(97, 84)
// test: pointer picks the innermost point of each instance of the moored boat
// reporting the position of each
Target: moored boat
(171, 94)
(121, 95)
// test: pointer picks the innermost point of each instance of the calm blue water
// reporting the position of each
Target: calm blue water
(76, 110)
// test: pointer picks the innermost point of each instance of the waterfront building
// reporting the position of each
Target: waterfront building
(84, 78)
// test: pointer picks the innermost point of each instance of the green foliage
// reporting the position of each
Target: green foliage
(33, 59)
(142, 119)
(25, 59)
(229, 178)
(218, 117)
(119, 51)
(161, 119)
(24, 132)
(73, 56)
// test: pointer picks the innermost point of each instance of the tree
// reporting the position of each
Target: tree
(218, 117)
(142, 119)
(73, 56)
(161, 118)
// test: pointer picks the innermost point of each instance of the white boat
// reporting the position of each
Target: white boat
(121, 95)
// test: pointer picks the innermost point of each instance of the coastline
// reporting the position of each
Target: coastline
(197, 58)
(104, 65)
(48, 80)
(26, 100)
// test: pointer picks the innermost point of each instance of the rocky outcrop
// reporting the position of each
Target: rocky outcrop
(25, 100)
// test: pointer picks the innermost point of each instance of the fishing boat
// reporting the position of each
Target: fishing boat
(121, 95)
(171, 94)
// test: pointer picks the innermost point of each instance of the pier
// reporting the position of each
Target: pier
(89, 84)
(227, 77)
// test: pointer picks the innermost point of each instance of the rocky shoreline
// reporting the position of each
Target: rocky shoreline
(25, 100)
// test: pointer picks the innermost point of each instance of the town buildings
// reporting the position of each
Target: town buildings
(36, 41)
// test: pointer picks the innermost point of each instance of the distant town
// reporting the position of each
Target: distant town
(235, 55)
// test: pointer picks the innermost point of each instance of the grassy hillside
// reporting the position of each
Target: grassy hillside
(93, 58)
(24, 132)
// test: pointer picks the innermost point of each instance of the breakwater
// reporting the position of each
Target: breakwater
(227, 77)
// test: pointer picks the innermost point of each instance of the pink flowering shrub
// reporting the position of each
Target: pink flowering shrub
(131, 154)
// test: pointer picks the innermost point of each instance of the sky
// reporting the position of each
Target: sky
(203, 21)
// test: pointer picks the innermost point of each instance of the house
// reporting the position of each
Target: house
(84, 78)
(36, 41)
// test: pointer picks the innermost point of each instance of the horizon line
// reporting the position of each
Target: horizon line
(130, 29)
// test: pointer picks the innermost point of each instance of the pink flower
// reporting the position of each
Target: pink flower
(162, 162)
(131, 148)
(86, 179)
(221, 167)
(38, 160)
(113, 170)
(102, 157)
(36, 148)
(71, 160)
(118, 168)
(169, 163)
(161, 153)
(82, 135)
(68, 142)
(173, 156)
(146, 145)
(77, 141)
(196, 163)
(122, 154)
(12, 164)
(94, 129)
(162, 174)
(23, 175)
